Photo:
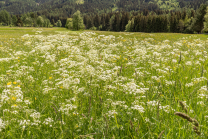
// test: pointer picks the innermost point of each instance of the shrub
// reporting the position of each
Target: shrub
(93, 28)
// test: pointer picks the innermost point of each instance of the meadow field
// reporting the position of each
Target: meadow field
(56, 83)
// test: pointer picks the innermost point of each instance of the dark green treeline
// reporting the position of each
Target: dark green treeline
(184, 21)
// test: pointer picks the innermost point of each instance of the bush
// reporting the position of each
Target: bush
(100, 27)
(189, 30)
(69, 23)
(93, 28)
(19, 24)
(59, 24)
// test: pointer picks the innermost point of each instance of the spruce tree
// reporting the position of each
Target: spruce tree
(85, 19)
(137, 28)
(145, 24)
(183, 16)
(123, 18)
(206, 21)
(197, 23)
(19, 22)
(154, 29)
(103, 22)
(149, 24)
(141, 24)
(89, 23)
(117, 22)
(126, 19)
(135, 24)
(53, 22)
(158, 24)
(165, 24)
(96, 21)
(107, 22)
(112, 24)
(173, 24)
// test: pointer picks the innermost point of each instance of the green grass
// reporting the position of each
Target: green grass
(79, 84)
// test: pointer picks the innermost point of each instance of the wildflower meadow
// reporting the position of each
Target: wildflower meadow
(64, 84)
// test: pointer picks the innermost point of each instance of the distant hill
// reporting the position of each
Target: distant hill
(67, 7)
(24, 6)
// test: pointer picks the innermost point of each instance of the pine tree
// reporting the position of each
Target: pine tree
(154, 29)
(197, 24)
(145, 24)
(32, 15)
(90, 23)
(96, 21)
(103, 21)
(85, 19)
(137, 23)
(173, 24)
(149, 23)
(112, 24)
(53, 22)
(206, 21)
(126, 19)
(63, 21)
(123, 22)
(107, 22)
(141, 24)
(141, 29)
(19, 22)
(183, 16)
(165, 24)
(158, 24)
(117, 22)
